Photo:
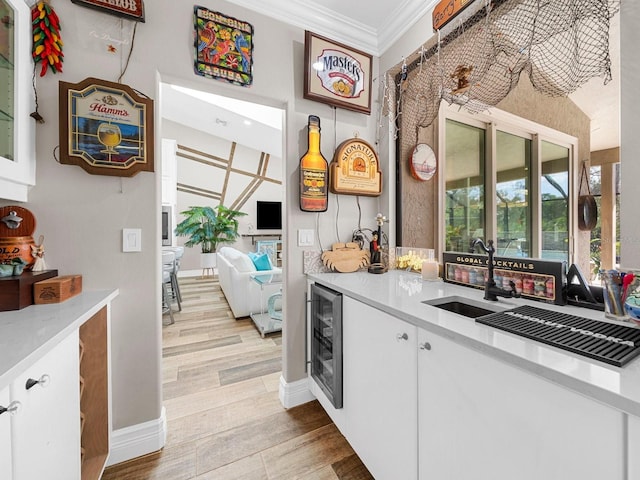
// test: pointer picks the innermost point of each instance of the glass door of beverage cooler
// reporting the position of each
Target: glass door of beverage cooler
(326, 342)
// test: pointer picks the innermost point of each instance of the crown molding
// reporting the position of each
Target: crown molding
(320, 20)
(402, 18)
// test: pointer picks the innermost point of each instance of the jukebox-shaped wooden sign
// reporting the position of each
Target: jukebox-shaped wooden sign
(355, 169)
(106, 128)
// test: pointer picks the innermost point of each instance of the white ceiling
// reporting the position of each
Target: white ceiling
(373, 26)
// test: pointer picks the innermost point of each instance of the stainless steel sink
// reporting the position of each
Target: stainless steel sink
(463, 306)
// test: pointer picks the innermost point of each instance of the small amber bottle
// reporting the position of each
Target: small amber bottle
(314, 176)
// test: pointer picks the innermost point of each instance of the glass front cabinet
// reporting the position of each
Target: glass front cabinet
(17, 127)
(326, 342)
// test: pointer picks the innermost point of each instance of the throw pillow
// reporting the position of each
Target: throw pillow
(260, 260)
(240, 261)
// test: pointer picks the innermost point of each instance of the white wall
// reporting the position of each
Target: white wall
(82, 215)
(629, 128)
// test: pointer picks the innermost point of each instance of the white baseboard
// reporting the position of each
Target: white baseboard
(295, 393)
(137, 440)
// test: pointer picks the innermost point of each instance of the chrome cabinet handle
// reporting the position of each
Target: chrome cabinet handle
(43, 381)
(402, 336)
(13, 408)
(425, 346)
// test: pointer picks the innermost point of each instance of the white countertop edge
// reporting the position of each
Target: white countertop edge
(588, 389)
(98, 300)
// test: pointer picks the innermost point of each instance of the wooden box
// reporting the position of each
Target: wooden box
(57, 289)
(17, 292)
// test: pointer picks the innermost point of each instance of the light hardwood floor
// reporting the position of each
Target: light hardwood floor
(225, 421)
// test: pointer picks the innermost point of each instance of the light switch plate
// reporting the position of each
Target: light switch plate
(131, 240)
(305, 237)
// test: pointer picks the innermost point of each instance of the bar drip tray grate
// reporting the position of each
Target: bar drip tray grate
(610, 343)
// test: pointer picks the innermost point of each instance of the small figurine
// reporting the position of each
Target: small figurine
(374, 247)
(37, 252)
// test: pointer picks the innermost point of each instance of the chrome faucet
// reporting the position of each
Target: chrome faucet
(491, 290)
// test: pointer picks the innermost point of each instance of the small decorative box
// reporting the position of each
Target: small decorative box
(57, 289)
(16, 292)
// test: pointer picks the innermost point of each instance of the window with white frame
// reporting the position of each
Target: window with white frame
(508, 180)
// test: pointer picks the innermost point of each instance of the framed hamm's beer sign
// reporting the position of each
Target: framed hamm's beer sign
(336, 74)
(106, 128)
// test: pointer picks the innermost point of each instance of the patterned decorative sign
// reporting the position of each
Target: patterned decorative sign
(224, 47)
(106, 128)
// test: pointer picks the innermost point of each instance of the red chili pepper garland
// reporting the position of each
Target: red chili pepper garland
(47, 44)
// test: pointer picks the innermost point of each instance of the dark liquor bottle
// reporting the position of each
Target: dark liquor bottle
(314, 176)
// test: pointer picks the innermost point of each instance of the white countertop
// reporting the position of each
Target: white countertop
(27, 335)
(400, 294)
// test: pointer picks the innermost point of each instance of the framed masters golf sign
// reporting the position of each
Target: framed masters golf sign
(336, 74)
(106, 128)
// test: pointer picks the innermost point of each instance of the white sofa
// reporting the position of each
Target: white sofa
(235, 270)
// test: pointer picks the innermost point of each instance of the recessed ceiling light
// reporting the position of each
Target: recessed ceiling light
(247, 122)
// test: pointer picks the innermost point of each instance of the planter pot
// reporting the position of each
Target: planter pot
(208, 260)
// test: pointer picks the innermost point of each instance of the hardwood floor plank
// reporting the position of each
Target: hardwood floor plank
(214, 397)
(305, 454)
(325, 473)
(251, 370)
(178, 463)
(351, 468)
(178, 388)
(216, 420)
(200, 346)
(272, 381)
(248, 468)
(263, 432)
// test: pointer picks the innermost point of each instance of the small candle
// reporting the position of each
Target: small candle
(429, 270)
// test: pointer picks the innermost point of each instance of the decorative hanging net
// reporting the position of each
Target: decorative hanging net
(559, 44)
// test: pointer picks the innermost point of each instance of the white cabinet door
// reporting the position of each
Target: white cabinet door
(483, 419)
(46, 431)
(17, 128)
(380, 390)
(5, 435)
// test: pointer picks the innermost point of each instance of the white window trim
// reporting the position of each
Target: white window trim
(496, 119)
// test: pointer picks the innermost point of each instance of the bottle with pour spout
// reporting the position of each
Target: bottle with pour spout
(314, 177)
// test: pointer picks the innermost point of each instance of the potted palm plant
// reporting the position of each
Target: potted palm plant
(209, 227)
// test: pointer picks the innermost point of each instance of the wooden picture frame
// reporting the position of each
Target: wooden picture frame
(106, 128)
(132, 9)
(337, 74)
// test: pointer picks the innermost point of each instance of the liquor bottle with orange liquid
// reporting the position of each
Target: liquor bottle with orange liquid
(314, 176)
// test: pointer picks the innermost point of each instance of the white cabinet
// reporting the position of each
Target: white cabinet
(481, 418)
(380, 390)
(5, 434)
(17, 128)
(46, 430)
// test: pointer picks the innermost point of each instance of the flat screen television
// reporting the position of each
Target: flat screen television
(269, 215)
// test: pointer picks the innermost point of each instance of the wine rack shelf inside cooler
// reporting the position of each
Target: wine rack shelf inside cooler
(326, 342)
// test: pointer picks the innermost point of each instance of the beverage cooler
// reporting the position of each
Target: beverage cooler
(326, 342)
